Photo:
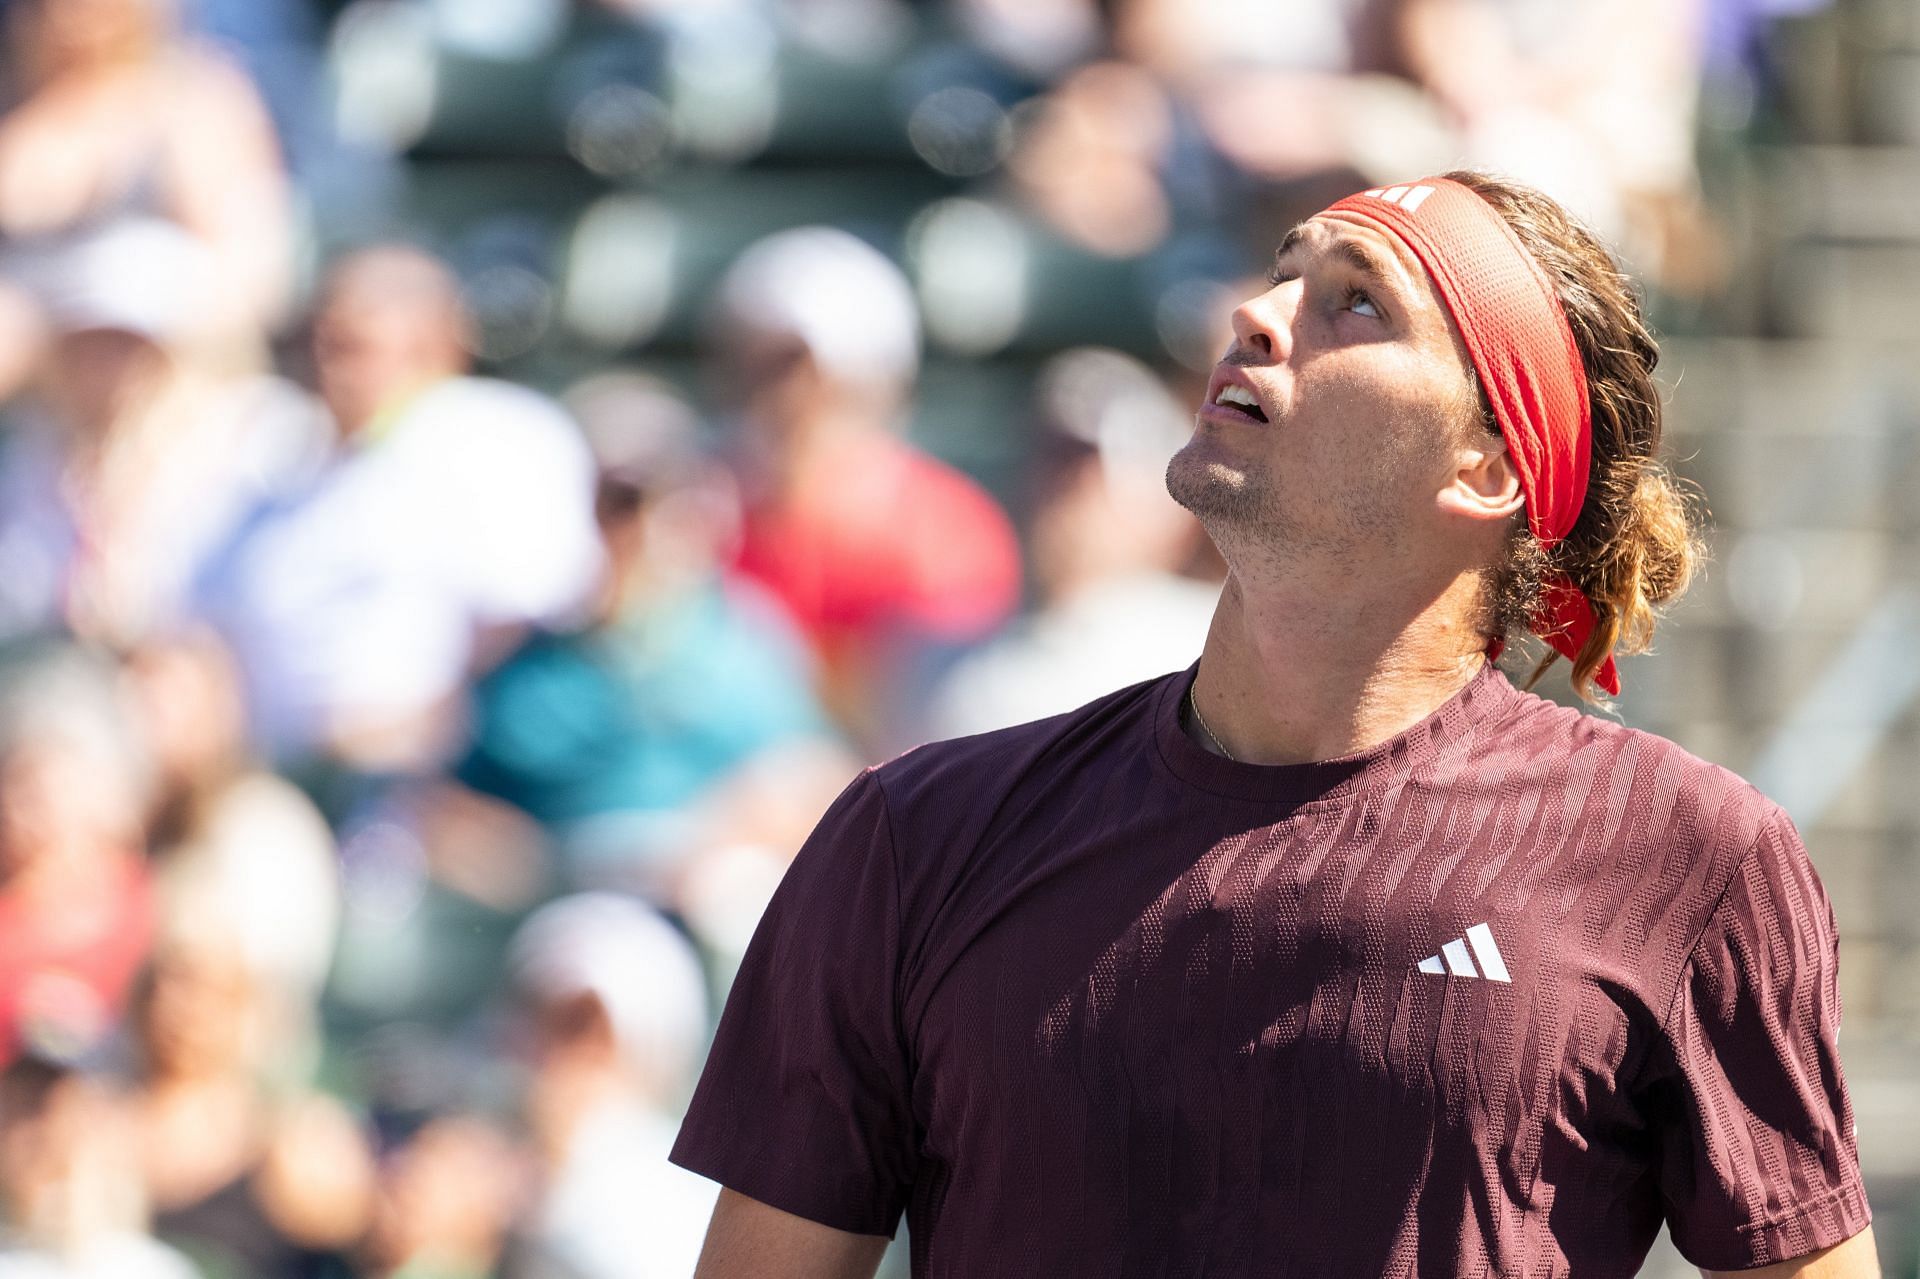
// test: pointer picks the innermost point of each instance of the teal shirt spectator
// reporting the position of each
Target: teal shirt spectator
(640, 715)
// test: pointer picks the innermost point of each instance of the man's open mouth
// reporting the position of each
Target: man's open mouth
(1237, 397)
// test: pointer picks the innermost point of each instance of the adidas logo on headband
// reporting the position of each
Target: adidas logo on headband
(1408, 198)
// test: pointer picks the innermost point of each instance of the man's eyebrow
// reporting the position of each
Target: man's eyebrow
(1363, 259)
(1290, 241)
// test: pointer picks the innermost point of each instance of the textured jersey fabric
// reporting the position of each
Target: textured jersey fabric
(1085, 1000)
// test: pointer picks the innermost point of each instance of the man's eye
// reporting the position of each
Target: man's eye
(1360, 304)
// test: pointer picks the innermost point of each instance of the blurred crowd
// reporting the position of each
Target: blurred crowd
(395, 757)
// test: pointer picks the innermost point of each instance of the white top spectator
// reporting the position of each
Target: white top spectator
(115, 1255)
(361, 600)
(456, 506)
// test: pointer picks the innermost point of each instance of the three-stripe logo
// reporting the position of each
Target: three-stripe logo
(1408, 198)
(1457, 957)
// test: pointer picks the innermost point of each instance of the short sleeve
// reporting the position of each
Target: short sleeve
(805, 1101)
(1758, 1161)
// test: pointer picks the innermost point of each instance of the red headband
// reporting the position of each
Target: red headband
(1529, 367)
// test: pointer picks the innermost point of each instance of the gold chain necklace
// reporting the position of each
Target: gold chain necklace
(1201, 720)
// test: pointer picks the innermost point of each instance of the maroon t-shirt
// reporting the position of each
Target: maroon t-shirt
(1494, 997)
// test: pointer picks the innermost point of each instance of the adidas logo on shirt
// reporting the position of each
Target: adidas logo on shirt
(1408, 198)
(1457, 957)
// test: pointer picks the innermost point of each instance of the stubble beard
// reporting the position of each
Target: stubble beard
(1231, 502)
(1243, 508)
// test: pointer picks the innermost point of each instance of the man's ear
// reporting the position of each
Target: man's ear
(1484, 484)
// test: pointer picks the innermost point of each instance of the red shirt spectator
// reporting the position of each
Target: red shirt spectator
(905, 543)
(879, 550)
(68, 960)
(75, 913)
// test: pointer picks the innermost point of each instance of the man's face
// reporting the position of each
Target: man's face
(1361, 394)
(58, 804)
(80, 32)
(368, 354)
(773, 379)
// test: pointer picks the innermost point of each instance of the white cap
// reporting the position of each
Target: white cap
(1111, 402)
(641, 969)
(850, 305)
(57, 693)
(135, 275)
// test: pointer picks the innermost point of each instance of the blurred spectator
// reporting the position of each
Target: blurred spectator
(617, 1011)
(75, 903)
(71, 1182)
(279, 43)
(1040, 38)
(1107, 546)
(435, 877)
(882, 553)
(611, 734)
(246, 1184)
(447, 1196)
(1183, 42)
(115, 117)
(1735, 32)
(139, 456)
(22, 335)
(456, 511)
(1593, 101)
(1089, 160)
(247, 842)
(1279, 99)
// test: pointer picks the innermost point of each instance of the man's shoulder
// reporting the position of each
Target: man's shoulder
(487, 413)
(1630, 772)
(474, 392)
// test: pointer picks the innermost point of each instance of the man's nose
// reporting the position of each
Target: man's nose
(1263, 324)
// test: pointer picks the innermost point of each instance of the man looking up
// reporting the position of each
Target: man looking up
(1337, 955)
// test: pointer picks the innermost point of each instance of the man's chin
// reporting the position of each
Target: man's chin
(1211, 487)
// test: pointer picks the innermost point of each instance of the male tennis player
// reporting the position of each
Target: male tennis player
(1337, 955)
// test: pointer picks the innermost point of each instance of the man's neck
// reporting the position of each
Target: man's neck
(1298, 671)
